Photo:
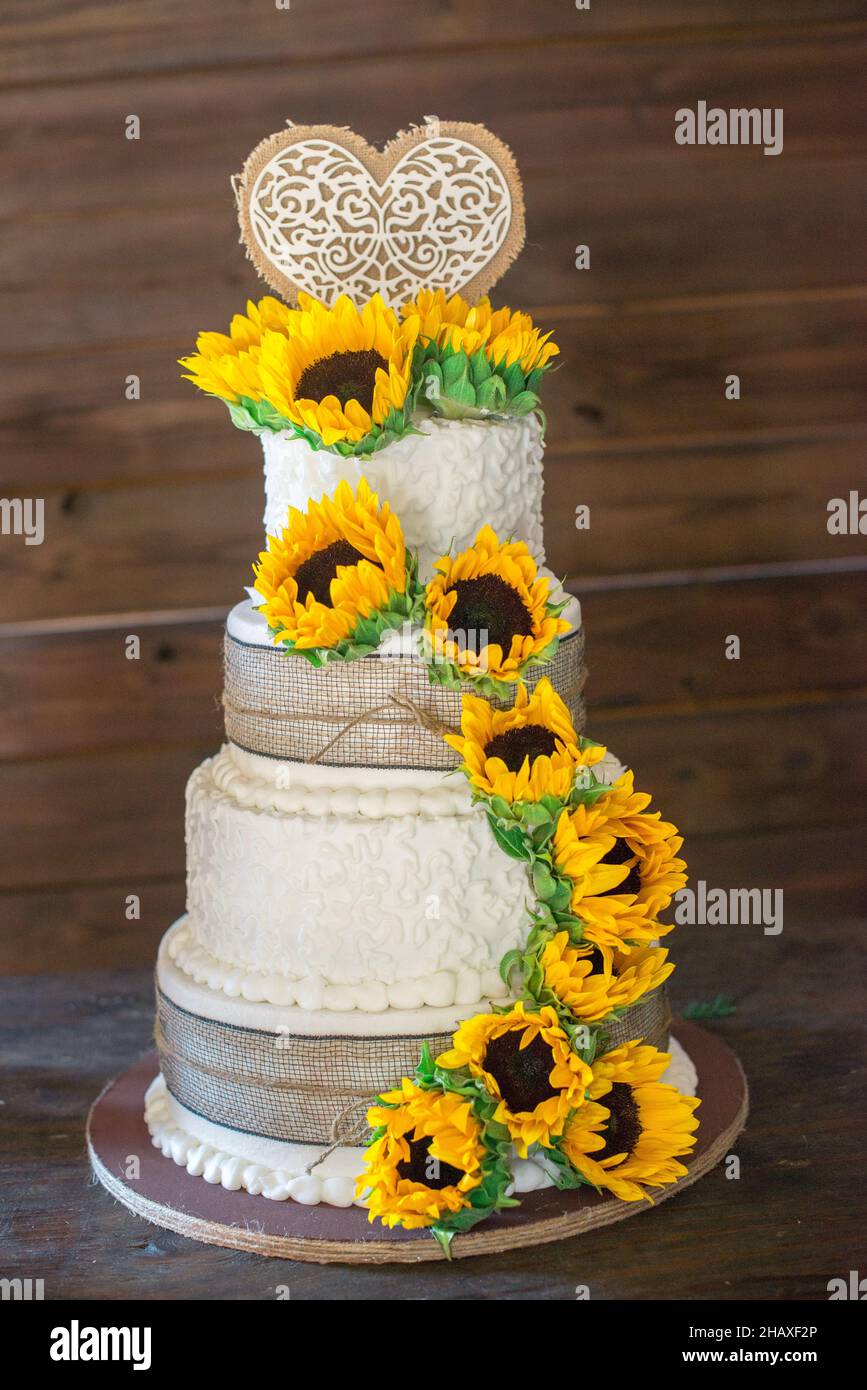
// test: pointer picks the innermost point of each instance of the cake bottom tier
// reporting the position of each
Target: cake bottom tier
(305, 1173)
(273, 1100)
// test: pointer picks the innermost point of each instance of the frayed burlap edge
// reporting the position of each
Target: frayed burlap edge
(378, 163)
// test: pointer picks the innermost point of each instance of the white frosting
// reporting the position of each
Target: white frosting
(443, 483)
(680, 1072)
(232, 996)
(346, 889)
(246, 624)
(457, 987)
(268, 1168)
(262, 1167)
(260, 783)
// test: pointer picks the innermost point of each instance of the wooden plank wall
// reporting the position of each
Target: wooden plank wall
(708, 517)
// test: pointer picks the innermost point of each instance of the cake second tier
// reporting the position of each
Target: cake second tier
(379, 712)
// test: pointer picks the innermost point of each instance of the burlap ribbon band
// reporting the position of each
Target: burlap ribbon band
(376, 712)
(313, 1089)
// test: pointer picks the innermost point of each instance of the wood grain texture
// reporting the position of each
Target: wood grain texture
(630, 374)
(117, 814)
(126, 256)
(796, 1209)
(84, 39)
(178, 540)
(659, 646)
(67, 693)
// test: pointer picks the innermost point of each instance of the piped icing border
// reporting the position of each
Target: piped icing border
(198, 998)
(274, 787)
(443, 989)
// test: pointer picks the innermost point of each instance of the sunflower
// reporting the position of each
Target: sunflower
(646, 847)
(629, 881)
(580, 846)
(522, 753)
(342, 375)
(227, 365)
(593, 981)
(489, 616)
(436, 313)
(475, 359)
(526, 1061)
(647, 1127)
(426, 1159)
(337, 576)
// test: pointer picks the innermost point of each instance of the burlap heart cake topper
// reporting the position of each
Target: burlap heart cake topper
(324, 212)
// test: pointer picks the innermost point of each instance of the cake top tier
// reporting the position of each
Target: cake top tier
(445, 481)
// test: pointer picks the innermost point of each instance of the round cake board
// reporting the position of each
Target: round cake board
(167, 1195)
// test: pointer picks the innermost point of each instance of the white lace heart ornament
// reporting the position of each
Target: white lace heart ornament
(323, 212)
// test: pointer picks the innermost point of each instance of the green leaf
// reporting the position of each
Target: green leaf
(720, 1007)
(523, 403)
(513, 378)
(511, 842)
(462, 390)
(544, 882)
(443, 1239)
(561, 897)
(455, 368)
(241, 417)
(491, 395)
(511, 960)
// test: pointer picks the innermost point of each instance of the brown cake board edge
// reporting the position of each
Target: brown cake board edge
(166, 1195)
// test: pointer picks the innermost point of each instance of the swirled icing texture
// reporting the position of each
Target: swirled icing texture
(358, 888)
(444, 483)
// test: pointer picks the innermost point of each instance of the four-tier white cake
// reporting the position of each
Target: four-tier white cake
(347, 905)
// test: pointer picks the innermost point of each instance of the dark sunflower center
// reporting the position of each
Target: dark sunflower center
(597, 961)
(622, 854)
(623, 1130)
(315, 575)
(521, 1074)
(488, 609)
(423, 1166)
(350, 376)
(515, 745)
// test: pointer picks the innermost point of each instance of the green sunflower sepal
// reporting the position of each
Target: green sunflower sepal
(460, 386)
(587, 787)
(561, 1172)
(256, 416)
(449, 674)
(490, 1194)
(259, 416)
(366, 636)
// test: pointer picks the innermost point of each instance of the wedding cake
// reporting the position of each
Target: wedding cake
(420, 967)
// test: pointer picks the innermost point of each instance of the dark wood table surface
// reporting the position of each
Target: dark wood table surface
(792, 1221)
